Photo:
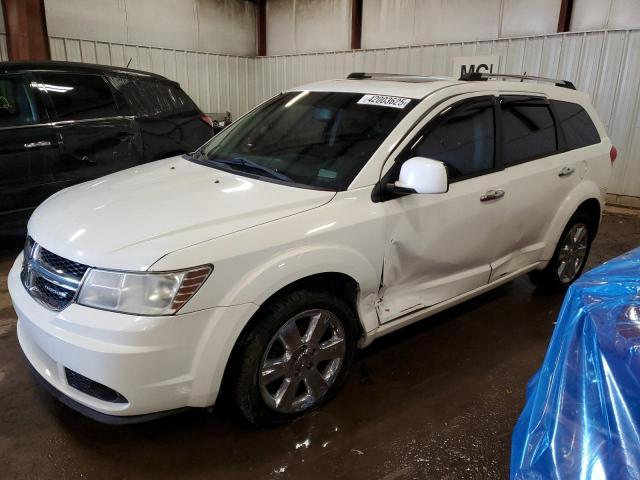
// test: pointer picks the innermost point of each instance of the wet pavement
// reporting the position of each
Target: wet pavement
(435, 400)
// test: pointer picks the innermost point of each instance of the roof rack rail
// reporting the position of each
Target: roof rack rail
(478, 76)
(397, 77)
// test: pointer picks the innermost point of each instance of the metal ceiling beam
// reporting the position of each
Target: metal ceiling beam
(564, 19)
(261, 27)
(356, 24)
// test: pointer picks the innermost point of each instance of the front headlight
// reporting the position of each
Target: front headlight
(141, 293)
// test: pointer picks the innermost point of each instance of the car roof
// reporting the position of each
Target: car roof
(397, 88)
(418, 87)
(74, 67)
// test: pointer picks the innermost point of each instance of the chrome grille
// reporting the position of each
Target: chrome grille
(50, 279)
(61, 265)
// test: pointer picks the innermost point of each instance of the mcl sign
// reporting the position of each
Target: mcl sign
(476, 63)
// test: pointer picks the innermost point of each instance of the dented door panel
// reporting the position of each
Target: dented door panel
(440, 246)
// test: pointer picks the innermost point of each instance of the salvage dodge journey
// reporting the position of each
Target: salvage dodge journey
(328, 216)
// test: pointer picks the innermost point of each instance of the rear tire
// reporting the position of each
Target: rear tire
(295, 358)
(570, 256)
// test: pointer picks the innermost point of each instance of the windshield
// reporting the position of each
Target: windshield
(315, 139)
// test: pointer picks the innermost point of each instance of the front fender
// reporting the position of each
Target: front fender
(582, 192)
(258, 284)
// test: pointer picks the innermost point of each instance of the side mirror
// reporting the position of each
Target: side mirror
(422, 175)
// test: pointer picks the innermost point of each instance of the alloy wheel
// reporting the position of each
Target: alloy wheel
(302, 361)
(573, 252)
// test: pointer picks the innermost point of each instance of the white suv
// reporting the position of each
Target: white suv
(330, 215)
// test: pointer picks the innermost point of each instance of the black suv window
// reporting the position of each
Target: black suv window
(528, 130)
(161, 97)
(78, 97)
(152, 97)
(18, 102)
(579, 130)
(463, 138)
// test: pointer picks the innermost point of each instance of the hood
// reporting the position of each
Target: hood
(129, 219)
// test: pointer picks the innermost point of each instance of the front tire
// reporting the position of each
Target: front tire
(570, 256)
(295, 358)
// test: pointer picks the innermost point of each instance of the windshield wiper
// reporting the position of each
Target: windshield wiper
(195, 155)
(240, 163)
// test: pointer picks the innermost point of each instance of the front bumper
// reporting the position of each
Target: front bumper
(157, 363)
(94, 414)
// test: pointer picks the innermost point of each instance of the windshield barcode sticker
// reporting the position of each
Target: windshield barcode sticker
(384, 101)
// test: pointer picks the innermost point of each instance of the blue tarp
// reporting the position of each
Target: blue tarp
(582, 415)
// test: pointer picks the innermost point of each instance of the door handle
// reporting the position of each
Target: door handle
(566, 171)
(491, 195)
(42, 143)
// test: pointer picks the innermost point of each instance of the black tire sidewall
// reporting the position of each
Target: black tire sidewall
(252, 346)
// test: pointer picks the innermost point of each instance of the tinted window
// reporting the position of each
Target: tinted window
(463, 139)
(17, 102)
(528, 131)
(319, 139)
(152, 97)
(77, 97)
(579, 130)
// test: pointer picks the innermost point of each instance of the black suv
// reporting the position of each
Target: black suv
(63, 123)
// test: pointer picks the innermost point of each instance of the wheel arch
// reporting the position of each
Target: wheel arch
(585, 196)
(592, 208)
(340, 284)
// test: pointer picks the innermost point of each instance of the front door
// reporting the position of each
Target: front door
(439, 246)
(28, 147)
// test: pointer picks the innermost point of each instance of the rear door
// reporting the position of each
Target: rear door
(28, 147)
(94, 138)
(540, 172)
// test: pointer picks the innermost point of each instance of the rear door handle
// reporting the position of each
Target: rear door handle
(491, 195)
(566, 171)
(42, 143)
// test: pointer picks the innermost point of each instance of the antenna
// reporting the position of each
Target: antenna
(129, 62)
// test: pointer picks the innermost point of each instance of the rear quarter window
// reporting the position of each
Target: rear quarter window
(578, 128)
(152, 97)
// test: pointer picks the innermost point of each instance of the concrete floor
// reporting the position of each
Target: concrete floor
(436, 400)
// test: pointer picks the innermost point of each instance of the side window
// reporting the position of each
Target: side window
(78, 97)
(179, 99)
(160, 97)
(463, 138)
(126, 96)
(577, 126)
(528, 131)
(18, 102)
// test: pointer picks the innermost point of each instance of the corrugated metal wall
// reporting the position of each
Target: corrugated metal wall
(604, 63)
(217, 83)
